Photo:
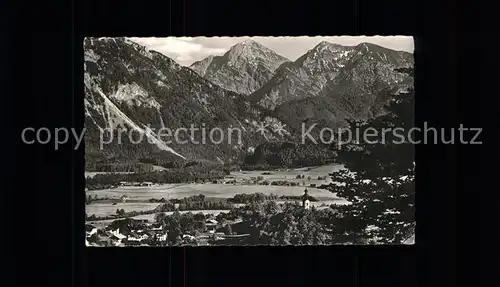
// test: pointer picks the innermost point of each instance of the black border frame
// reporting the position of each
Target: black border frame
(47, 182)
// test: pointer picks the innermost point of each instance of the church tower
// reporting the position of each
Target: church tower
(305, 200)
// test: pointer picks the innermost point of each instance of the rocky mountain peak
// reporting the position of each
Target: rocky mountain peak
(325, 55)
(202, 65)
(327, 45)
(372, 52)
(253, 52)
(244, 68)
(249, 43)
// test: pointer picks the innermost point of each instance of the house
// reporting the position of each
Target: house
(116, 233)
(133, 236)
(90, 229)
(211, 222)
(188, 237)
(156, 227)
(143, 236)
(162, 237)
(211, 225)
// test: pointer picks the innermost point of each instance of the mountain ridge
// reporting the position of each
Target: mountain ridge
(317, 70)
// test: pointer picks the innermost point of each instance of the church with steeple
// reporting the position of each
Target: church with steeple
(305, 200)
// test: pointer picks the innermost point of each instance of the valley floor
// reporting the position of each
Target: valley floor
(143, 204)
(138, 198)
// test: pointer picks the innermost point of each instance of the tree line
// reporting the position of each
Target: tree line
(179, 175)
(194, 205)
(289, 155)
(121, 167)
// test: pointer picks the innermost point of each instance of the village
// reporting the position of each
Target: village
(141, 232)
(175, 229)
(213, 212)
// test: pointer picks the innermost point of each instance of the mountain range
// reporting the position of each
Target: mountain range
(128, 85)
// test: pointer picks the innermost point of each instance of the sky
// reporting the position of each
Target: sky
(186, 50)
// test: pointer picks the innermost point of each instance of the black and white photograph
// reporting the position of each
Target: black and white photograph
(249, 141)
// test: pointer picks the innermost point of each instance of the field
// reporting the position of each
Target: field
(208, 189)
(219, 190)
(171, 191)
(94, 173)
(105, 209)
(291, 174)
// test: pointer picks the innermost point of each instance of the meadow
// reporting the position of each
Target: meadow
(244, 184)
(105, 209)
